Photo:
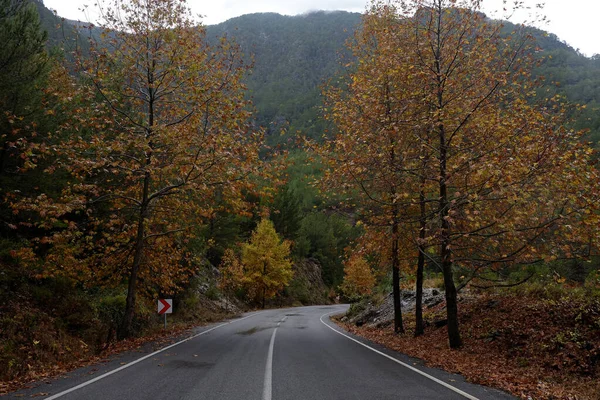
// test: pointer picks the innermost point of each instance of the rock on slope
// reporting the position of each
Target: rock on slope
(382, 314)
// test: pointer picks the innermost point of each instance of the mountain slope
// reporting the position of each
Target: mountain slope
(294, 56)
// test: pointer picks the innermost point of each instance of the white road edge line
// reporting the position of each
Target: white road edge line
(436, 380)
(268, 384)
(114, 371)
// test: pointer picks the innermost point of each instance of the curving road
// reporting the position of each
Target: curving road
(285, 354)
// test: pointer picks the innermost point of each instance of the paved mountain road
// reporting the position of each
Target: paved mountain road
(285, 354)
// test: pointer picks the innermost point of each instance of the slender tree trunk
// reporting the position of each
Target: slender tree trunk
(398, 325)
(5, 146)
(126, 326)
(445, 252)
(445, 240)
(3, 153)
(419, 328)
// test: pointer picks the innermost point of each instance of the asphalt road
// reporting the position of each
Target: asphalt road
(286, 354)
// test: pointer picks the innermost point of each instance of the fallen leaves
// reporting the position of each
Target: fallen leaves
(538, 349)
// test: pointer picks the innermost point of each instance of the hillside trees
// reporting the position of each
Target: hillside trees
(489, 175)
(232, 273)
(24, 66)
(159, 131)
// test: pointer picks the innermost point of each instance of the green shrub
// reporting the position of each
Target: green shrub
(299, 291)
(593, 279)
(111, 310)
(213, 293)
(357, 308)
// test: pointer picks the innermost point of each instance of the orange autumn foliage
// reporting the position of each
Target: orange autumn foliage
(359, 279)
(441, 136)
(157, 139)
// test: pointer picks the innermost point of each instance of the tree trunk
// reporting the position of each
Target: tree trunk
(398, 325)
(451, 307)
(445, 252)
(419, 328)
(445, 240)
(264, 294)
(3, 153)
(126, 326)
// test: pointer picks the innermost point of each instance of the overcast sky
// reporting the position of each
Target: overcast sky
(574, 21)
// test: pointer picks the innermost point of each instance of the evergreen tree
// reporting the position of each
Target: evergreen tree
(23, 67)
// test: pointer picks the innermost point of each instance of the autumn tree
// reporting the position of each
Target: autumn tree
(373, 157)
(359, 279)
(159, 132)
(489, 172)
(267, 268)
(499, 151)
(231, 273)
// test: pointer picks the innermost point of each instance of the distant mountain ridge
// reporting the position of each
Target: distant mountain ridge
(294, 55)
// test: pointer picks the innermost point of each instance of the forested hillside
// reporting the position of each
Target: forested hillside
(294, 56)
(570, 74)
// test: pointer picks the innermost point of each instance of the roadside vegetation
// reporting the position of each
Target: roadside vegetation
(130, 176)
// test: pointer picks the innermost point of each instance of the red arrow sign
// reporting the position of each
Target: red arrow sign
(165, 306)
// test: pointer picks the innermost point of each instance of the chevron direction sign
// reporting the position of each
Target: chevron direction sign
(165, 306)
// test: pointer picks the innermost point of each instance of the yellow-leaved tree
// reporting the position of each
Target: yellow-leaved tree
(445, 146)
(267, 267)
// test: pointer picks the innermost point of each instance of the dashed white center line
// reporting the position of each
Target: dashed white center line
(268, 384)
(282, 320)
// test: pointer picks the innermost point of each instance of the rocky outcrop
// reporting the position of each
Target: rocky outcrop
(307, 285)
(383, 314)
